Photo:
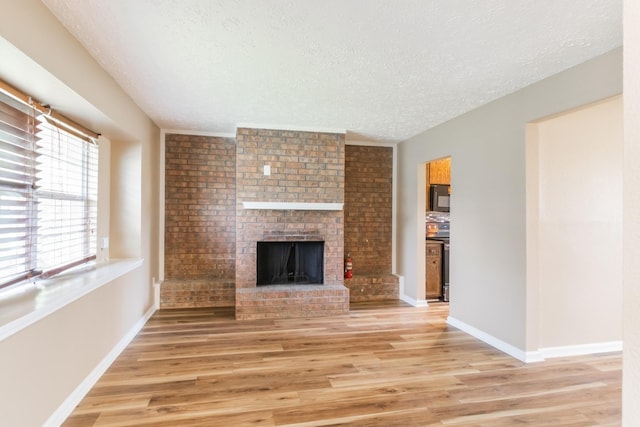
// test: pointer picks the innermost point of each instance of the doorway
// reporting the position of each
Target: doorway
(574, 228)
(437, 229)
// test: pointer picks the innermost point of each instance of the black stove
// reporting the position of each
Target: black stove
(438, 227)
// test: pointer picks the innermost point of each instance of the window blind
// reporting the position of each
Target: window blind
(48, 194)
(66, 191)
(17, 181)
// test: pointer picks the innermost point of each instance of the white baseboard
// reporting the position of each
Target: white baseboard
(156, 293)
(581, 350)
(404, 297)
(512, 351)
(413, 302)
(541, 354)
(67, 407)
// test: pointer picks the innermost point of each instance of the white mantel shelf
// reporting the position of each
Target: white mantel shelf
(293, 206)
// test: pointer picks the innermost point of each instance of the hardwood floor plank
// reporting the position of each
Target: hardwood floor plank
(185, 414)
(98, 404)
(544, 407)
(384, 364)
(81, 420)
(399, 418)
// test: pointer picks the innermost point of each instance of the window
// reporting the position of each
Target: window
(48, 194)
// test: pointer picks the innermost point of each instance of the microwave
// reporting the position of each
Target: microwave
(439, 197)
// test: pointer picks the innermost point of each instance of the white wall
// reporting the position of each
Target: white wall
(44, 363)
(488, 213)
(631, 216)
(574, 192)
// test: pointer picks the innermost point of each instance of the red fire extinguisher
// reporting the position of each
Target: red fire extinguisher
(348, 267)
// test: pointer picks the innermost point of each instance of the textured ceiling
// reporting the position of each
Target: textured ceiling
(382, 70)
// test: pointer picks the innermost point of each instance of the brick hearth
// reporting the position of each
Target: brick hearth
(290, 301)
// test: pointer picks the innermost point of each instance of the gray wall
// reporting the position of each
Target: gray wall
(488, 247)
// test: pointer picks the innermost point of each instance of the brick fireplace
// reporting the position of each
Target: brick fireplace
(210, 254)
(299, 200)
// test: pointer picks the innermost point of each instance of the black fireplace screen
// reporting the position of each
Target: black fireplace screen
(281, 263)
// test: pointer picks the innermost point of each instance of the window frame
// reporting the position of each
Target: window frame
(83, 202)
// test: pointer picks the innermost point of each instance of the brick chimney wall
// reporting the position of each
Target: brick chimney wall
(368, 208)
(306, 167)
(200, 224)
(368, 222)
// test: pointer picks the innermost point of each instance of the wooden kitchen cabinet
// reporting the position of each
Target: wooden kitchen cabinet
(440, 171)
(437, 172)
(433, 278)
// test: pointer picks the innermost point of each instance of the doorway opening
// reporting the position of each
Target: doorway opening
(437, 229)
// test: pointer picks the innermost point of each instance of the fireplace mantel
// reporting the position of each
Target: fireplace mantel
(293, 206)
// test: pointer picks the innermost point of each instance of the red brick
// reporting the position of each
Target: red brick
(209, 236)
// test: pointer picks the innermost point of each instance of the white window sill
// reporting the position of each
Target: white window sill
(25, 305)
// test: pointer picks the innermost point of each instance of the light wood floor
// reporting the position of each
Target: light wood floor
(381, 365)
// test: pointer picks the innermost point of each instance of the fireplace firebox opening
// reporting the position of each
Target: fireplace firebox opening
(288, 263)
